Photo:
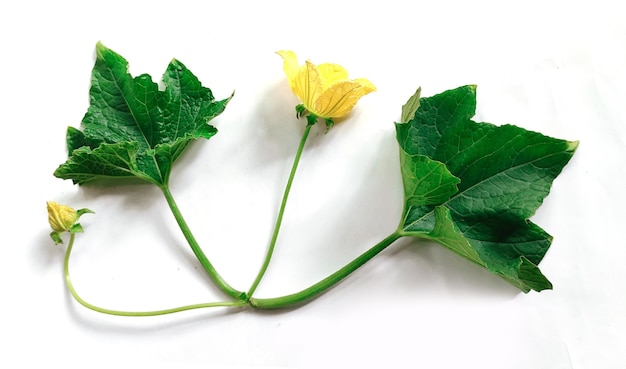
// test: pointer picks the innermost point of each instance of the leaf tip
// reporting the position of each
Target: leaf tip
(175, 62)
(572, 145)
(531, 277)
(410, 108)
(100, 49)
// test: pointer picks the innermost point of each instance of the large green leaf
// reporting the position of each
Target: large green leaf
(133, 129)
(505, 172)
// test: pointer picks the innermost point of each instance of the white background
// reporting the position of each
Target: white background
(558, 67)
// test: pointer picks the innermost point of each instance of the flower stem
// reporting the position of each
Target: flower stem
(281, 211)
(326, 283)
(195, 247)
(70, 286)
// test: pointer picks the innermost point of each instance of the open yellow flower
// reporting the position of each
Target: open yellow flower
(325, 90)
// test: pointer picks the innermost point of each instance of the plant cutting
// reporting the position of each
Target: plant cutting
(468, 186)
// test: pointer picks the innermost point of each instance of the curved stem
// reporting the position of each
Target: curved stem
(74, 294)
(195, 247)
(328, 282)
(281, 211)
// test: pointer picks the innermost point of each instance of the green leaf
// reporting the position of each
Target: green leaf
(134, 130)
(505, 172)
(411, 106)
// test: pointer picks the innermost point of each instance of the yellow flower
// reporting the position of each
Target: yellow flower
(325, 90)
(62, 218)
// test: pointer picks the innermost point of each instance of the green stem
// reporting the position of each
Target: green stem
(195, 247)
(70, 286)
(281, 211)
(328, 282)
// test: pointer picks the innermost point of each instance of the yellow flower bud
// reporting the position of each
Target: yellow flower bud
(61, 217)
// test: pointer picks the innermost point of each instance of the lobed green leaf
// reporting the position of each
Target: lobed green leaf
(133, 129)
(505, 172)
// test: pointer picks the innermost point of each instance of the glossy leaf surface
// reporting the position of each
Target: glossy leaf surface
(503, 172)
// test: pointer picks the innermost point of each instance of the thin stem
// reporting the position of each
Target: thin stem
(70, 286)
(195, 247)
(328, 282)
(281, 211)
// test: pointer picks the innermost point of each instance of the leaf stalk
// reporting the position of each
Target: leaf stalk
(195, 247)
(326, 283)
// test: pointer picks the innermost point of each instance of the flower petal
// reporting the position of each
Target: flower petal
(340, 98)
(308, 85)
(331, 74)
(305, 81)
(290, 65)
